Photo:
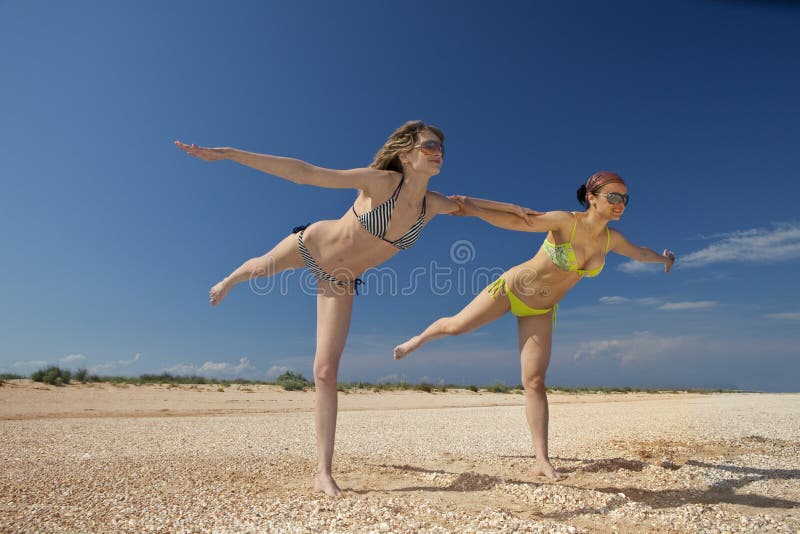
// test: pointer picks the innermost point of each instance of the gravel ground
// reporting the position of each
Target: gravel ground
(631, 462)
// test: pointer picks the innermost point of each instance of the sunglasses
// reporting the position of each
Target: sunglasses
(431, 147)
(616, 198)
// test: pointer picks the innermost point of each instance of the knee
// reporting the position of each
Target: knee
(257, 267)
(451, 327)
(534, 383)
(325, 374)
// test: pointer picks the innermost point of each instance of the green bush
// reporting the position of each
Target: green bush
(427, 388)
(292, 381)
(82, 375)
(498, 388)
(52, 375)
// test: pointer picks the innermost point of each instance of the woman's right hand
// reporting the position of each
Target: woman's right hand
(207, 154)
(669, 259)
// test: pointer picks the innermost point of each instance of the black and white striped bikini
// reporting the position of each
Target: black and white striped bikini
(376, 222)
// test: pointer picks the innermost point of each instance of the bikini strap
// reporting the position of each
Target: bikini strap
(399, 186)
(608, 241)
(574, 225)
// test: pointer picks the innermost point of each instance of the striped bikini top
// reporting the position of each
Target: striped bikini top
(376, 221)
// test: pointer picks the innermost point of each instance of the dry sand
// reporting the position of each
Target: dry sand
(100, 458)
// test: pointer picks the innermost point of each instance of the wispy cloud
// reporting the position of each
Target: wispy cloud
(791, 316)
(689, 305)
(215, 369)
(30, 364)
(758, 245)
(38, 364)
(635, 267)
(637, 346)
(107, 366)
(277, 370)
(614, 300)
(660, 304)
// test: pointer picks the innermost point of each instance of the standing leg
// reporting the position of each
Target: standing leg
(284, 255)
(334, 309)
(535, 343)
(483, 309)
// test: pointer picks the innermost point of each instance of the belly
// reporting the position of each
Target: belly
(539, 283)
(343, 247)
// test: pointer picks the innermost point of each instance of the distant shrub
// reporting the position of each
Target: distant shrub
(292, 381)
(498, 388)
(424, 386)
(10, 376)
(52, 375)
(82, 375)
(473, 388)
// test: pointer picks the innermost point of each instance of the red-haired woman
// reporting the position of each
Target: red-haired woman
(575, 248)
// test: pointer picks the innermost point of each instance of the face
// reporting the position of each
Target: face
(612, 212)
(427, 155)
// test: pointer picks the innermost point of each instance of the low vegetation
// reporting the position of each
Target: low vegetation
(291, 381)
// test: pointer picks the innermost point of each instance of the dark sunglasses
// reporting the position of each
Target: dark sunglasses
(615, 198)
(431, 147)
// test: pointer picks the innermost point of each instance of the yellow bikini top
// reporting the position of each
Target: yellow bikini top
(563, 255)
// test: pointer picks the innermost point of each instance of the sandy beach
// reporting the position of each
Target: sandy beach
(101, 458)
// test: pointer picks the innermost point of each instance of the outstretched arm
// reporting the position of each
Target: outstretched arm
(509, 216)
(622, 246)
(291, 169)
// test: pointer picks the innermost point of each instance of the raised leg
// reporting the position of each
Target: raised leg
(334, 309)
(535, 343)
(483, 309)
(285, 255)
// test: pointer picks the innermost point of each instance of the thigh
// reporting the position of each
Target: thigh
(535, 343)
(483, 309)
(285, 255)
(334, 310)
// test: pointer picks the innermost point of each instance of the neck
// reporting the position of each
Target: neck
(594, 222)
(416, 182)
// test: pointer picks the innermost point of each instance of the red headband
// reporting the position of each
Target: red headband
(599, 179)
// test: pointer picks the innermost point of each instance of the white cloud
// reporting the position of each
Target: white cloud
(106, 366)
(689, 305)
(215, 369)
(31, 364)
(636, 267)
(637, 346)
(72, 358)
(614, 300)
(758, 245)
(277, 370)
(388, 378)
(180, 369)
(792, 316)
(649, 301)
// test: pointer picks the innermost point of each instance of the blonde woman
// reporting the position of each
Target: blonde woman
(392, 207)
(575, 248)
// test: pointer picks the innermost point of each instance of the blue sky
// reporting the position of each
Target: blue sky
(111, 237)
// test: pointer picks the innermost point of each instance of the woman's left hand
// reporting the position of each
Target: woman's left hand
(462, 202)
(669, 259)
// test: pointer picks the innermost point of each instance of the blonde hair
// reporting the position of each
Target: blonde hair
(402, 140)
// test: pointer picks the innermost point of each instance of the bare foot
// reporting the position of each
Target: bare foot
(544, 468)
(400, 351)
(218, 292)
(328, 486)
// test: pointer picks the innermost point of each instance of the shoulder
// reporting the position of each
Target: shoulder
(376, 181)
(438, 203)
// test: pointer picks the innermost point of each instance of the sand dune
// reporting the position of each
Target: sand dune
(144, 458)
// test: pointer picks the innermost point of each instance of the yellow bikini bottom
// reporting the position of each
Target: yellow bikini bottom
(518, 308)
